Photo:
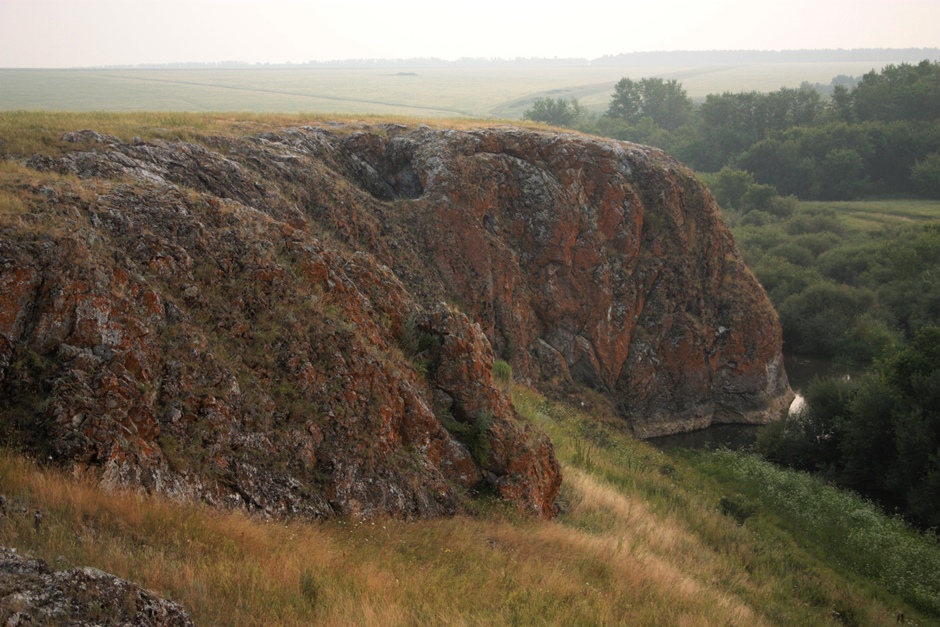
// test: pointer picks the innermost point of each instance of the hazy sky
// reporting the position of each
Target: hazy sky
(69, 33)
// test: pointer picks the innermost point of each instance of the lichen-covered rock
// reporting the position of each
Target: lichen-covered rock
(518, 464)
(31, 593)
(581, 258)
(257, 322)
(187, 343)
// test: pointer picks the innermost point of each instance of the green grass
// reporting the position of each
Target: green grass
(643, 539)
(451, 92)
(838, 525)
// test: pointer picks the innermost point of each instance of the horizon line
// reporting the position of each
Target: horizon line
(484, 60)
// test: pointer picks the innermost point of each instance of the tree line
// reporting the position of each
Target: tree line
(876, 135)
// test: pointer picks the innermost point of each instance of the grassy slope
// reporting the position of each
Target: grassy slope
(642, 541)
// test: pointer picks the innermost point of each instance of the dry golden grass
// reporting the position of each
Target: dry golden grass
(25, 133)
(32, 201)
(227, 568)
(10, 205)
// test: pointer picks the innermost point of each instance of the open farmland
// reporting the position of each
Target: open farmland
(444, 91)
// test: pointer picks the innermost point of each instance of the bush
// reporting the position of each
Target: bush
(818, 319)
(815, 222)
(878, 432)
(729, 186)
(793, 252)
(757, 218)
(555, 111)
(783, 206)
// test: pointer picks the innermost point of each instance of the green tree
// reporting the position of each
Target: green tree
(926, 176)
(899, 92)
(665, 102)
(842, 175)
(729, 186)
(783, 164)
(555, 111)
(788, 107)
(877, 432)
(842, 103)
(820, 319)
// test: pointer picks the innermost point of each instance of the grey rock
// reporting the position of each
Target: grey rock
(31, 593)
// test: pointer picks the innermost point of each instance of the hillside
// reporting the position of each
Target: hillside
(316, 325)
(643, 538)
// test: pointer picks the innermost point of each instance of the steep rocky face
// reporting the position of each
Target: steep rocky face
(261, 322)
(594, 260)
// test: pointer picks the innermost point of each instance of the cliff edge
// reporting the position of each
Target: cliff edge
(304, 322)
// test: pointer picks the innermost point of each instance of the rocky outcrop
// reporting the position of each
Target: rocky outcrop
(593, 260)
(162, 335)
(304, 322)
(31, 593)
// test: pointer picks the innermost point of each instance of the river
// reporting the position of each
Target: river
(800, 371)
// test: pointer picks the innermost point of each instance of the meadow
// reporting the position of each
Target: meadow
(872, 215)
(502, 92)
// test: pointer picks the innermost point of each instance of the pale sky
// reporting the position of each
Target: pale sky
(79, 33)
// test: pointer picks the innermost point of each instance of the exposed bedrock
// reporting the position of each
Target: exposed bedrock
(304, 322)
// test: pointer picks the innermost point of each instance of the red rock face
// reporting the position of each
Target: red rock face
(596, 260)
(267, 328)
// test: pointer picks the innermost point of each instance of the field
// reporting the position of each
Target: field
(448, 92)
(873, 215)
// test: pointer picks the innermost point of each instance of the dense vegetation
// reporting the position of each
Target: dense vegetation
(877, 433)
(880, 134)
(845, 291)
(853, 283)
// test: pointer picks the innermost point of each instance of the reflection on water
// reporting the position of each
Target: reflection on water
(735, 437)
(800, 371)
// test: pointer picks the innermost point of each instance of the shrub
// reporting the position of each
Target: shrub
(555, 111)
(502, 371)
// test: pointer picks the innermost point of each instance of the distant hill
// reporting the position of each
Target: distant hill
(890, 55)
(681, 57)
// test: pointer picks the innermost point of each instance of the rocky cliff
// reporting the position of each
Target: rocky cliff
(304, 322)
